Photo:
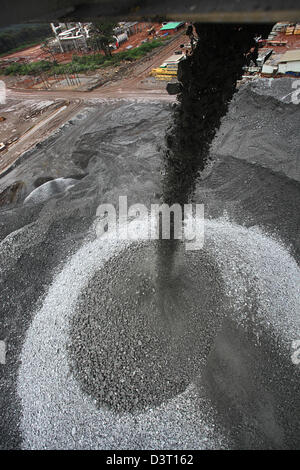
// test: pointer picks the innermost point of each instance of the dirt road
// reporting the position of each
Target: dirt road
(38, 133)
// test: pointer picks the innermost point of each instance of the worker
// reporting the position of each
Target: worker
(189, 30)
(254, 54)
(190, 34)
(257, 38)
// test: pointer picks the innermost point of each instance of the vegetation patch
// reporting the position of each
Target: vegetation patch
(17, 37)
(82, 63)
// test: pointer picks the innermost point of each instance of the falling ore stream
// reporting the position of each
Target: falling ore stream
(208, 78)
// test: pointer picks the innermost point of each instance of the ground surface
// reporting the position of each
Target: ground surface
(260, 136)
(82, 314)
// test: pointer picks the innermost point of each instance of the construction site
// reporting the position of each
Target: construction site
(65, 93)
(279, 53)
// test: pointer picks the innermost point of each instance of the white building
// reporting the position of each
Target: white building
(289, 62)
(70, 36)
(271, 65)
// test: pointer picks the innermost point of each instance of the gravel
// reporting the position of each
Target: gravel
(54, 402)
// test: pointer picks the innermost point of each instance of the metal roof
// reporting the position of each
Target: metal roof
(291, 56)
(175, 58)
(171, 25)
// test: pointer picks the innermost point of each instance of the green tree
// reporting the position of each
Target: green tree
(46, 47)
(102, 36)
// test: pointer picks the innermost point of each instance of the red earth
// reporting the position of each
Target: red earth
(35, 53)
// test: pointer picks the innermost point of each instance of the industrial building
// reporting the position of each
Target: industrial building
(287, 63)
(123, 31)
(70, 36)
(74, 36)
(271, 65)
(290, 62)
(172, 26)
(169, 68)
